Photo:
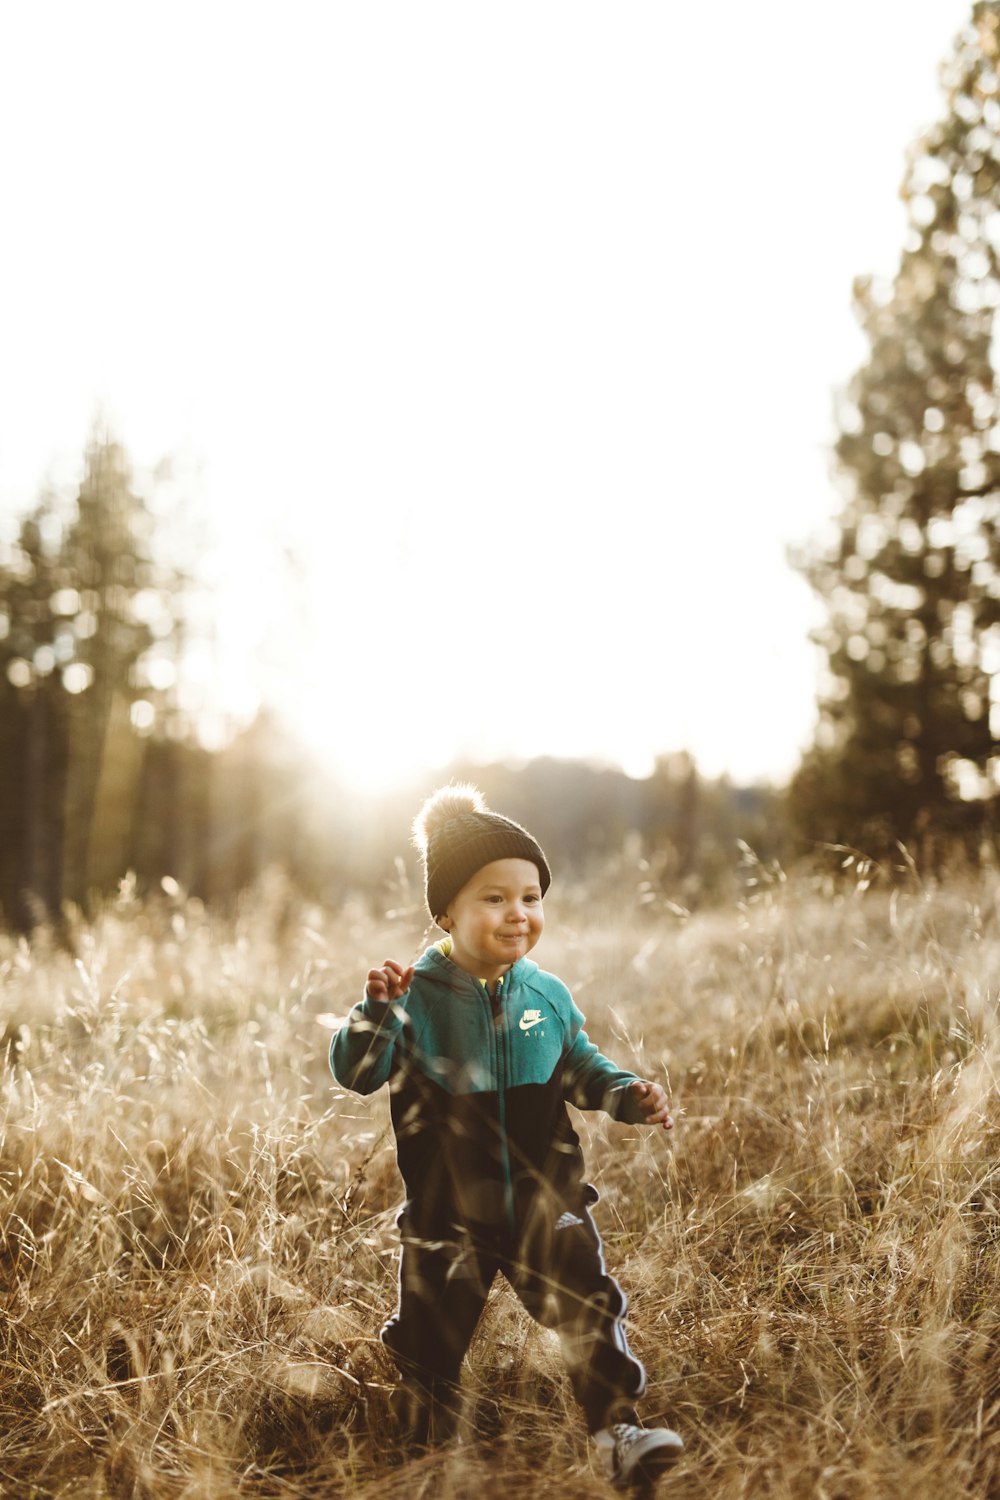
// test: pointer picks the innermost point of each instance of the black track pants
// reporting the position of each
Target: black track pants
(560, 1276)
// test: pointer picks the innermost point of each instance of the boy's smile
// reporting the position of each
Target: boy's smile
(496, 918)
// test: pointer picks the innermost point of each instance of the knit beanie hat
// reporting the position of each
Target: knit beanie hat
(456, 834)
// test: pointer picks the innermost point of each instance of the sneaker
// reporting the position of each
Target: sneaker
(635, 1457)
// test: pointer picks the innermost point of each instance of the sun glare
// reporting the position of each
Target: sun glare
(368, 747)
(378, 764)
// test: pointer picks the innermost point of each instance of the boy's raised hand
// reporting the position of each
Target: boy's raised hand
(654, 1103)
(389, 982)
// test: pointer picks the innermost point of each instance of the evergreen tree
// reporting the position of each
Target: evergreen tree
(911, 584)
(85, 612)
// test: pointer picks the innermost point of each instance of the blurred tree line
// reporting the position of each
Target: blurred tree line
(102, 773)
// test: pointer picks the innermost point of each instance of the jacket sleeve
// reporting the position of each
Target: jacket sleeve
(362, 1052)
(593, 1081)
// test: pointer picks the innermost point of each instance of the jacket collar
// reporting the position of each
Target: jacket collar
(435, 966)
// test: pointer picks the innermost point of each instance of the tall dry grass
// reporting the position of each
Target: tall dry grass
(198, 1239)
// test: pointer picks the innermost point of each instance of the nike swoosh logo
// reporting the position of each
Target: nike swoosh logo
(527, 1025)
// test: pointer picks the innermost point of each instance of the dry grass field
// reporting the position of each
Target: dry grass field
(198, 1240)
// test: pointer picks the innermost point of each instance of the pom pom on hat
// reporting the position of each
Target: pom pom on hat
(441, 807)
(456, 834)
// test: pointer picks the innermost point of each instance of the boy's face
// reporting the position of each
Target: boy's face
(496, 918)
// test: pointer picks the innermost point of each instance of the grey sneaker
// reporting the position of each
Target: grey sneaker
(635, 1457)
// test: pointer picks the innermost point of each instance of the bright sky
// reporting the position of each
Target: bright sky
(517, 325)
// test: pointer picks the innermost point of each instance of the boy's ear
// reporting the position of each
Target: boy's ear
(444, 922)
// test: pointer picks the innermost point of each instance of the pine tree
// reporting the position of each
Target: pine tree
(908, 719)
(83, 606)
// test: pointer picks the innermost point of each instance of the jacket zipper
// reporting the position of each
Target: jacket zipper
(499, 1030)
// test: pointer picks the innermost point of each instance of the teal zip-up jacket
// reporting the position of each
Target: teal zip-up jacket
(479, 1087)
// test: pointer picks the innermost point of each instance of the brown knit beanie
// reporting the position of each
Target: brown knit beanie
(456, 834)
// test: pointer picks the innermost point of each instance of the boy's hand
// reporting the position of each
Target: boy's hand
(654, 1104)
(389, 982)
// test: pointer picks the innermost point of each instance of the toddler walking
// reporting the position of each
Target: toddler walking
(482, 1050)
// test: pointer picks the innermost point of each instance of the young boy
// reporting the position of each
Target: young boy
(482, 1049)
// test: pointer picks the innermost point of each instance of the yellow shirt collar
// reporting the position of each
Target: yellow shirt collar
(445, 947)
